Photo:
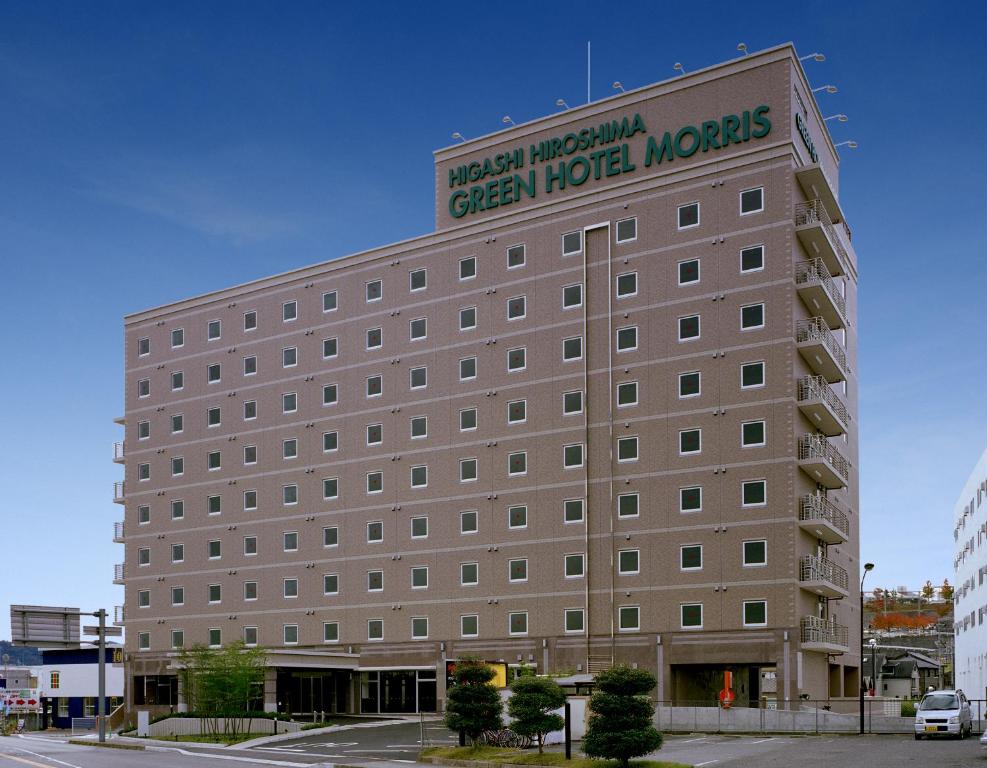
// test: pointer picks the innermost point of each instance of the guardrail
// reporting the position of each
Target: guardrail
(817, 388)
(815, 270)
(118, 490)
(118, 451)
(817, 446)
(817, 630)
(815, 506)
(812, 568)
(816, 329)
(814, 212)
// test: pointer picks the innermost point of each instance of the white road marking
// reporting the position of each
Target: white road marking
(708, 762)
(259, 761)
(45, 757)
(762, 741)
(41, 738)
(690, 741)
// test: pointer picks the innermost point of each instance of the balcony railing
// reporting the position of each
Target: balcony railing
(118, 531)
(118, 573)
(118, 615)
(118, 491)
(814, 333)
(822, 405)
(821, 575)
(823, 462)
(820, 291)
(823, 635)
(822, 518)
(813, 212)
(118, 452)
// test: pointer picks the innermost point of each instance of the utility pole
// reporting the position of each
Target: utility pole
(101, 702)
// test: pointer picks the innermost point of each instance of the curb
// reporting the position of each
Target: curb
(105, 744)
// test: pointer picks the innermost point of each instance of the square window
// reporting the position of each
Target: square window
(572, 348)
(753, 493)
(467, 470)
(572, 456)
(375, 434)
(515, 256)
(290, 634)
(214, 505)
(627, 339)
(572, 296)
(627, 230)
(214, 460)
(756, 552)
(419, 628)
(574, 566)
(688, 327)
(375, 531)
(689, 272)
(213, 330)
(755, 613)
(290, 541)
(375, 338)
(418, 329)
(516, 307)
(374, 386)
(330, 632)
(419, 577)
(517, 359)
(250, 636)
(517, 570)
(177, 509)
(419, 477)
(375, 581)
(419, 377)
(330, 442)
(375, 290)
(690, 441)
(330, 488)
(329, 301)
(752, 433)
(629, 618)
(289, 448)
(289, 311)
(250, 365)
(517, 463)
(418, 279)
(688, 216)
(177, 466)
(419, 427)
(627, 449)
(690, 384)
(572, 243)
(250, 320)
(249, 410)
(213, 417)
(469, 625)
(177, 338)
(574, 620)
(330, 536)
(517, 623)
(249, 501)
(628, 505)
(330, 348)
(691, 499)
(752, 201)
(467, 318)
(419, 527)
(517, 516)
(629, 561)
(467, 268)
(177, 380)
(691, 557)
(469, 574)
(144, 514)
(249, 545)
(144, 471)
(572, 403)
(468, 522)
(177, 423)
(467, 368)
(691, 615)
(289, 402)
(627, 285)
(752, 375)
(375, 482)
(143, 347)
(752, 316)
(752, 258)
(289, 494)
(330, 584)
(517, 411)
(572, 511)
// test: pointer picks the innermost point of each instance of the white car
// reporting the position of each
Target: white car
(943, 713)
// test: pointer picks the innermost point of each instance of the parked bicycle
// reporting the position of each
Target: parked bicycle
(504, 737)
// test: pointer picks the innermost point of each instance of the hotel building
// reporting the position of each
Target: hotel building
(604, 413)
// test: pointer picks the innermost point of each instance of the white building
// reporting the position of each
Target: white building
(68, 682)
(970, 568)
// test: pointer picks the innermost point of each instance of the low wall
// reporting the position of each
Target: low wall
(799, 719)
(197, 726)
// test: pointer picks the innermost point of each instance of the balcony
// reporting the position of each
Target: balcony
(824, 636)
(118, 532)
(820, 237)
(821, 518)
(816, 185)
(121, 420)
(822, 462)
(821, 406)
(820, 292)
(117, 615)
(118, 573)
(118, 452)
(824, 354)
(823, 577)
(118, 492)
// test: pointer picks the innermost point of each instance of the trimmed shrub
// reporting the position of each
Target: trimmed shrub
(620, 726)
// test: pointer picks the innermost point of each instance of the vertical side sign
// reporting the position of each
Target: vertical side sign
(44, 626)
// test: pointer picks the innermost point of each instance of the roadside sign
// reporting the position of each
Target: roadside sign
(43, 626)
(108, 631)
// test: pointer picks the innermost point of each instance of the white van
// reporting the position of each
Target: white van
(943, 713)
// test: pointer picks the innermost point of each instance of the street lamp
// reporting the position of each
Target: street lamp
(849, 144)
(873, 664)
(868, 567)
(677, 66)
(814, 57)
(561, 103)
(841, 117)
(827, 88)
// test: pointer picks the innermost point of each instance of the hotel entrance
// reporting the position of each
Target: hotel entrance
(395, 691)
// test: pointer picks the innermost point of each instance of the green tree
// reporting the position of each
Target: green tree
(220, 683)
(620, 726)
(473, 705)
(946, 590)
(531, 707)
(928, 591)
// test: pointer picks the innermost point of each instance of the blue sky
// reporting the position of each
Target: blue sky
(152, 151)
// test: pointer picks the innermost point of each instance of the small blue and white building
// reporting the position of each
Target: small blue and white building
(68, 683)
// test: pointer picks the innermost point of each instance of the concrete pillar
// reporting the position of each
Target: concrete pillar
(660, 670)
(440, 684)
(270, 689)
(182, 701)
